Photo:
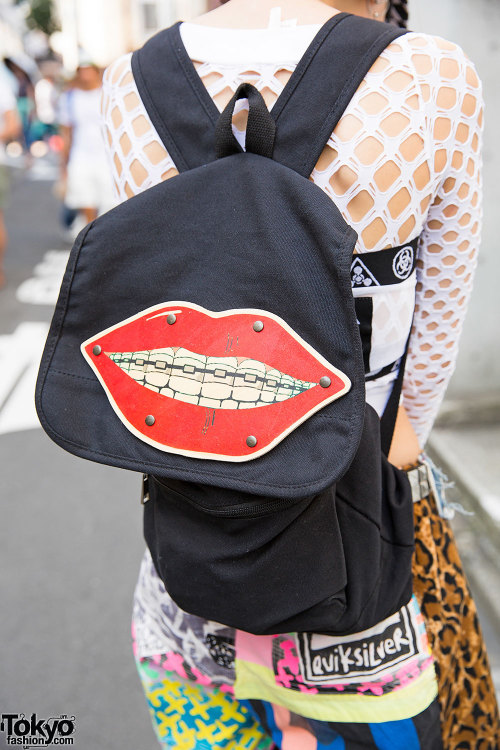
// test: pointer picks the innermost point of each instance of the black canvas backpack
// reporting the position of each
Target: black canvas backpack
(206, 335)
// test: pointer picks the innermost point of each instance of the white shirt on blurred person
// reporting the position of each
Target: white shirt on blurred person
(85, 167)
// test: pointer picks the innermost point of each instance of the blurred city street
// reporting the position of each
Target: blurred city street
(71, 536)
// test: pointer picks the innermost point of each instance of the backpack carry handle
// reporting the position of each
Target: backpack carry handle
(260, 131)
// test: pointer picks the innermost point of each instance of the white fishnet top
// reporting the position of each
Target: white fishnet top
(403, 161)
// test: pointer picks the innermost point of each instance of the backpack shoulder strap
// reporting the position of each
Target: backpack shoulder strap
(175, 99)
(324, 82)
(306, 112)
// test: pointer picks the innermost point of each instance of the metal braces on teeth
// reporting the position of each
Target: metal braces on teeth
(215, 382)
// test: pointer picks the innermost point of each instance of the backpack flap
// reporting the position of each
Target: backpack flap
(292, 276)
(237, 240)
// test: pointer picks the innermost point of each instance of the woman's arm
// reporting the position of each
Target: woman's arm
(405, 447)
(451, 92)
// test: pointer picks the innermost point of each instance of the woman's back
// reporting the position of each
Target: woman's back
(403, 161)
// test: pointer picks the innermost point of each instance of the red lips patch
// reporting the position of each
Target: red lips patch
(224, 385)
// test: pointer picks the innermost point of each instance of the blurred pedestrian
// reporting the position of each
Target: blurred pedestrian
(84, 170)
(403, 166)
(46, 96)
(10, 128)
(25, 72)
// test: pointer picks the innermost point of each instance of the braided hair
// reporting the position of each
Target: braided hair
(397, 13)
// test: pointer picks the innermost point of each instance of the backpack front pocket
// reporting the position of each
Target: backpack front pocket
(256, 564)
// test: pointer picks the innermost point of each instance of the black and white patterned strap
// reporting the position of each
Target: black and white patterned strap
(385, 267)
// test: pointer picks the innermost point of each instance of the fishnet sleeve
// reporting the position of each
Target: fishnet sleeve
(136, 155)
(451, 235)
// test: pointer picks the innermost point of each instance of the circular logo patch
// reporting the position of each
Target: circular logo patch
(402, 264)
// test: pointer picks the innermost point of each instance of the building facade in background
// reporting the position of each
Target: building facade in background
(12, 28)
(105, 30)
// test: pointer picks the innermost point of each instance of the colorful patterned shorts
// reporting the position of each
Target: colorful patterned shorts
(190, 715)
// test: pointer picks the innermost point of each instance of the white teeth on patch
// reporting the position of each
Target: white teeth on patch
(214, 382)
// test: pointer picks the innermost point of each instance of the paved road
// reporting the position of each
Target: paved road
(70, 537)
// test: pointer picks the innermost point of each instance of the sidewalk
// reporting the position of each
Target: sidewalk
(466, 444)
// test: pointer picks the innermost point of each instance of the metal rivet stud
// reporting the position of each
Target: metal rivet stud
(258, 326)
(251, 441)
(150, 420)
(96, 350)
(325, 382)
(171, 319)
